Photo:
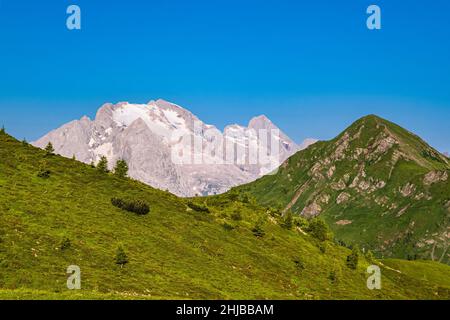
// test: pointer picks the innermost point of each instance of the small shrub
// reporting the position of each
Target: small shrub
(198, 207)
(274, 212)
(299, 264)
(353, 258)
(323, 247)
(121, 257)
(333, 277)
(258, 230)
(301, 222)
(236, 216)
(341, 243)
(370, 257)
(233, 195)
(65, 244)
(245, 198)
(137, 206)
(287, 221)
(319, 229)
(227, 226)
(410, 257)
(44, 174)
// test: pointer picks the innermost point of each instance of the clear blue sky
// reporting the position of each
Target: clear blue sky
(311, 66)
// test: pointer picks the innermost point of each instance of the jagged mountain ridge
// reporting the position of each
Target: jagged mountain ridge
(148, 135)
(376, 184)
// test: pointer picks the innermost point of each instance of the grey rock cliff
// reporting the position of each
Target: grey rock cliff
(148, 135)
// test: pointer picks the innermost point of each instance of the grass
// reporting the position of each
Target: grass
(174, 252)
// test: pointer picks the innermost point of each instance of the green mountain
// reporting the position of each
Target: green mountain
(376, 185)
(56, 212)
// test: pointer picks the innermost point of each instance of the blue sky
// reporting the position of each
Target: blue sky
(311, 66)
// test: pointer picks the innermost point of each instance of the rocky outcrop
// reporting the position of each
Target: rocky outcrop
(342, 197)
(311, 210)
(408, 189)
(434, 177)
(343, 222)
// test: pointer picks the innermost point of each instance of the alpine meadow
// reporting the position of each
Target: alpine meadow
(218, 247)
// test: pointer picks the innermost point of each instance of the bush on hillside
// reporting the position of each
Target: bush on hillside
(299, 264)
(353, 258)
(236, 216)
(274, 212)
(323, 247)
(247, 198)
(319, 229)
(287, 220)
(370, 256)
(44, 174)
(121, 257)
(137, 206)
(301, 222)
(227, 226)
(258, 230)
(333, 277)
(233, 195)
(198, 207)
(65, 244)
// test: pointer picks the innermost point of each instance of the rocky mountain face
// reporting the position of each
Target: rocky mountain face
(376, 184)
(169, 148)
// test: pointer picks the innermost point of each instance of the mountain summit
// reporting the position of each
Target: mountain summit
(151, 136)
(376, 184)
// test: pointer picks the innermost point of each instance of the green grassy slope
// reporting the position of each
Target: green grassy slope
(174, 252)
(370, 185)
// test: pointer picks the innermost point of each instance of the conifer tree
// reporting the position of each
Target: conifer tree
(319, 229)
(353, 258)
(49, 148)
(287, 220)
(121, 257)
(121, 169)
(102, 165)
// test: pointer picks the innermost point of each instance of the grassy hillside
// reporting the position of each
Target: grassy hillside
(376, 184)
(179, 250)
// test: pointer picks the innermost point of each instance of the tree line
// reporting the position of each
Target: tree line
(120, 170)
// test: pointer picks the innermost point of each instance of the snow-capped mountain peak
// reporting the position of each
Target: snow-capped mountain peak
(151, 136)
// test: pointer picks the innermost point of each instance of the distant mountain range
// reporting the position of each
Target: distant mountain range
(376, 184)
(148, 136)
